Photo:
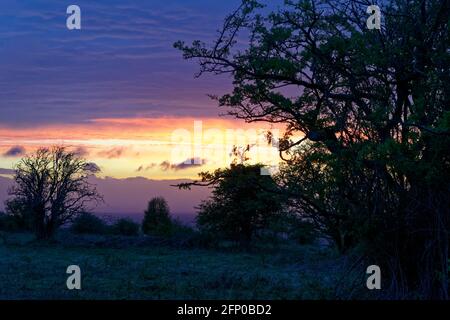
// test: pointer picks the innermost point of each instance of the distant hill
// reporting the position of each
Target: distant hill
(129, 197)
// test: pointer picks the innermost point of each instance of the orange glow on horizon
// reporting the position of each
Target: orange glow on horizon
(129, 147)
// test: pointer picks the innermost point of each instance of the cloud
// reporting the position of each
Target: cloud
(187, 164)
(92, 167)
(15, 151)
(7, 171)
(146, 168)
(81, 151)
(113, 153)
(137, 41)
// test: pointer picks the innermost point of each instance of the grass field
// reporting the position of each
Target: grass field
(34, 271)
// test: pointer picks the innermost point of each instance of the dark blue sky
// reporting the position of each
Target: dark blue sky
(121, 64)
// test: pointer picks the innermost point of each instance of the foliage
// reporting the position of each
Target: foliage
(11, 223)
(88, 223)
(241, 203)
(301, 231)
(157, 218)
(367, 146)
(19, 215)
(51, 188)
(125, 227)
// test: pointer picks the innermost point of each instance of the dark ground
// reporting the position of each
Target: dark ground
(145, 268)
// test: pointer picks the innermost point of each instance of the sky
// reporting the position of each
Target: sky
(116, 91)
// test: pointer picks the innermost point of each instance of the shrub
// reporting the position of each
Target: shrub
(87, 223)
(303, 232)
(17, 217)
(125, 227)
(11, 223)
(179, 227)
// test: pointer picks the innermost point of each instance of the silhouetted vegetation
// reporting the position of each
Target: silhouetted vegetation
(371, 166)
(300, 230)
(11, 223)
(241, 203)
(366, 165)
(125, 227)
(157, 218)
(51, 189)
(88, 223)
(19, 213)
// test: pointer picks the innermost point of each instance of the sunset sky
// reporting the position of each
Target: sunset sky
(116, 91)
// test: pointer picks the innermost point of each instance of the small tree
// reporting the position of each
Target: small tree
(243, 201)
(157, 217)
(52, 188)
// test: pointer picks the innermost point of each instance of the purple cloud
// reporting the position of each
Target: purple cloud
(146, 168)
(92, 167)
(81, 151)
(188, 163)
(113, 153)
(15, 151)
(123, 63)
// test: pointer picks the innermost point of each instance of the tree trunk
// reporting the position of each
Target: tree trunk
(44, 227)
(423, 254)
(434, 267)
(39, 223)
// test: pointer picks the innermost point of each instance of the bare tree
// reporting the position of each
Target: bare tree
(52, 186)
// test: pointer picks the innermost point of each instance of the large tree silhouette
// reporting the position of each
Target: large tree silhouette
(52, 187)
(376, 103)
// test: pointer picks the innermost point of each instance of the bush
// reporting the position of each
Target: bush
(17, 217)
(179, 227)
(87, 223)
(11, 223)
(303, 232)
(125, 227)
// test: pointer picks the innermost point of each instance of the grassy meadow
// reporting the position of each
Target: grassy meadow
(137, 268)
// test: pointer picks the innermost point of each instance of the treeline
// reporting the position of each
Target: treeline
(157, 222)
(245, 206)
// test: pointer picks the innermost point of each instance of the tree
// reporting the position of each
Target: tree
(375, 103)
(52, 187)
(241, 203)
(157, 218)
